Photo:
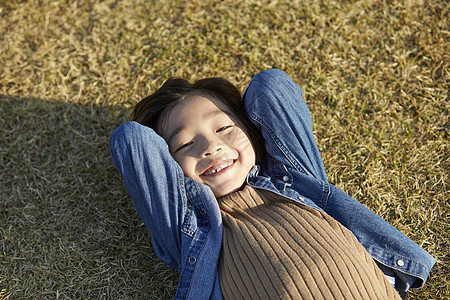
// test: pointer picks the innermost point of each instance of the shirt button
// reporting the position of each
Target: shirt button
(192, 260)
(285, 178)
(202, 212)
(400, 263)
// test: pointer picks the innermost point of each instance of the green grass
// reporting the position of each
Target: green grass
(375, 76)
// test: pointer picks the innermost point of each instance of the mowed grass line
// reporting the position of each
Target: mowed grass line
(375, 75)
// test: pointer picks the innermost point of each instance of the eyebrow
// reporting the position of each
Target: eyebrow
(174, 133)
(209, 115)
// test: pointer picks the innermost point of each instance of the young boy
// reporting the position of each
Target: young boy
(237, 199)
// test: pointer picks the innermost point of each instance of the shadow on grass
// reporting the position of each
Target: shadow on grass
(68, 227)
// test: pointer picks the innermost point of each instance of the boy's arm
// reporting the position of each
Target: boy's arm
(155, 183)
(275, 104)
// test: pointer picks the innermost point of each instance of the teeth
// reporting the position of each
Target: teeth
(219, 169)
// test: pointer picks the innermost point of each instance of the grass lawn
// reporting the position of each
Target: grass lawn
(375, 76)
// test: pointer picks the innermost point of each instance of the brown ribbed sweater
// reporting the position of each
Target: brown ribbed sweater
(274, 248)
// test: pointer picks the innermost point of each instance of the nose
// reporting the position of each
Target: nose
(211, 148)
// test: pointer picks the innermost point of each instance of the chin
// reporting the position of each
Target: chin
(228, 191)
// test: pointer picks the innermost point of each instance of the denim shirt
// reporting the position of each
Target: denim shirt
(184, 217)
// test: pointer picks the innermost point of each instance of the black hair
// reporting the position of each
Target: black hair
(151, 110)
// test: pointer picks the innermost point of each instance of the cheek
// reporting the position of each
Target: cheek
(244, 144)
(238, 138)
(250, 151)
(188, 166)
(246, 147)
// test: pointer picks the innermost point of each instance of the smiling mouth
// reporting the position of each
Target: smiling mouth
(218, 169)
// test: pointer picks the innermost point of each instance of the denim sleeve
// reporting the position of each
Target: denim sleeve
(155, 183)
(274, 103)
(384, 243)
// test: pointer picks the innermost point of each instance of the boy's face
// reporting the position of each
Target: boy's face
(211, 146)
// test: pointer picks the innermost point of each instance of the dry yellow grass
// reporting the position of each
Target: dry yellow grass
(375, 75)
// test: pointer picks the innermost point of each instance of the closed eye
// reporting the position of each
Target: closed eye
(183, 146)
(223, 128)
